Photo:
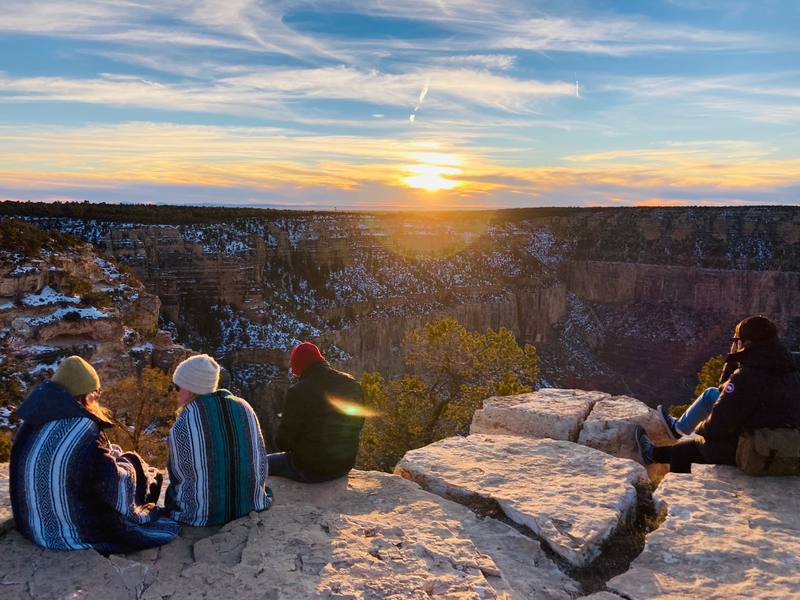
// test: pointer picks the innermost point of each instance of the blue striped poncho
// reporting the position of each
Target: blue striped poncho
(71, 489)
(217, 462)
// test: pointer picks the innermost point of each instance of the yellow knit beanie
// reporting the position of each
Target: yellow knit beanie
(77, 375)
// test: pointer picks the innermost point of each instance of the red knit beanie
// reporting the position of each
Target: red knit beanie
(303, 356)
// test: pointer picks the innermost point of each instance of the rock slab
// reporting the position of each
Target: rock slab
(372, 535)
(726, 535)
(571, 496)
(610, 428)
(546, 413)
(6, 517)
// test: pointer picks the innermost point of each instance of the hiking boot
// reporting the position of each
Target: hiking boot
(670, 423)
(644, 446)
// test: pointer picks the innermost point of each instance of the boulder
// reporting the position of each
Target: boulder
(571, 496)
(611, 424)
(726, 535)
(547, 413)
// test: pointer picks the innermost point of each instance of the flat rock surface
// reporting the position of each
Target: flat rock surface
(546, 413)
(726, 535)
(6, 518)
(372, 535)
(572, 496)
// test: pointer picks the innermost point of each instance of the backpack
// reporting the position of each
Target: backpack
(769, 452)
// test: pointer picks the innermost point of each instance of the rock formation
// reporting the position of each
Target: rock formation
(571, 496)
(594, 419)
(548, 413)
(73, 301)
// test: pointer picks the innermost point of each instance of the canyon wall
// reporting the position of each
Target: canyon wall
(735, 293)
(624, 300)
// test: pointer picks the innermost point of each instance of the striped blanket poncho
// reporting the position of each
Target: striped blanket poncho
(71, 489)
(217, 462)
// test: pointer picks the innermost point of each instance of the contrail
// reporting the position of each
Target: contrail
(424, 92)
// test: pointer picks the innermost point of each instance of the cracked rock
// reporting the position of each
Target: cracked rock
(571, 496)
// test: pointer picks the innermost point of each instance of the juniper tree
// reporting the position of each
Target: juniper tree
(449, 371)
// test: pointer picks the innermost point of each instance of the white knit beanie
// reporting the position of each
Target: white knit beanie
(198, 374)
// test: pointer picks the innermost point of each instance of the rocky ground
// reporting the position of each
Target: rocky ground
(490, 515)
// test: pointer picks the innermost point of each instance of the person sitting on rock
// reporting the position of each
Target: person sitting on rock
(217, 457)
(700, 409)
(318, 433)
(763, 391)
(70, 488)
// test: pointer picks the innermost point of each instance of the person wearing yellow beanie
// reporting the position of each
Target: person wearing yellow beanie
(106, 499)
(77, 376)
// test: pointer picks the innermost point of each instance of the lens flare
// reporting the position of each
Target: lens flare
(352, 409)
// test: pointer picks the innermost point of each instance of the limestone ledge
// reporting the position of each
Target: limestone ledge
(571, 496)
(590, 418)
(726, 535)
(372, 535)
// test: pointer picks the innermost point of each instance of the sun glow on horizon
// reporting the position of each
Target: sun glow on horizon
(432, 170)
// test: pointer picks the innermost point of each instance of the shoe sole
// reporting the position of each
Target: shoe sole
(667, 428)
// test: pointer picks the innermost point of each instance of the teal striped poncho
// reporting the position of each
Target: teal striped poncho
(217, 462)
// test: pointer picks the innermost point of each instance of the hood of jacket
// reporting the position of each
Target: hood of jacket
(50, 401)
(771, 355)
(315, 369)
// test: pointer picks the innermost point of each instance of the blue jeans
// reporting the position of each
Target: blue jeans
(698, 411)
(280, 464)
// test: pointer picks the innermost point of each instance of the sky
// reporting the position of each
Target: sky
(387, 104)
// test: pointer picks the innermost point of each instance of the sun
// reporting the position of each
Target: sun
(432, 170)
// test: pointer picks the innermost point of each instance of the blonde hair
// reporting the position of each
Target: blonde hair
(94, 408)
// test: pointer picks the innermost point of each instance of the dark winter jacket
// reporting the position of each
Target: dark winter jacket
(318, 428)
(71, 489)
(764, 391)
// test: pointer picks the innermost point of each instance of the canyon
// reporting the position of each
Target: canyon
(626, 301)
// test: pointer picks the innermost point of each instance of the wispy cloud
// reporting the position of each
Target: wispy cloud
(260, 90)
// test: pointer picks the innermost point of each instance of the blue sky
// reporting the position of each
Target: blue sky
(401, 104)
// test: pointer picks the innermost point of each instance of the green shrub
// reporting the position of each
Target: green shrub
(29, 241)
(451, 371)
(677, 410)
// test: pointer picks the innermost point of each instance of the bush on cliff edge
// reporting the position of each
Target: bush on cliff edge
(449, 372)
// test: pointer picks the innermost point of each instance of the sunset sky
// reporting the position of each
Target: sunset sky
(401, 104)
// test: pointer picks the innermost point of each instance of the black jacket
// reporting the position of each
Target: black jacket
(763, 392)
(316, 429)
